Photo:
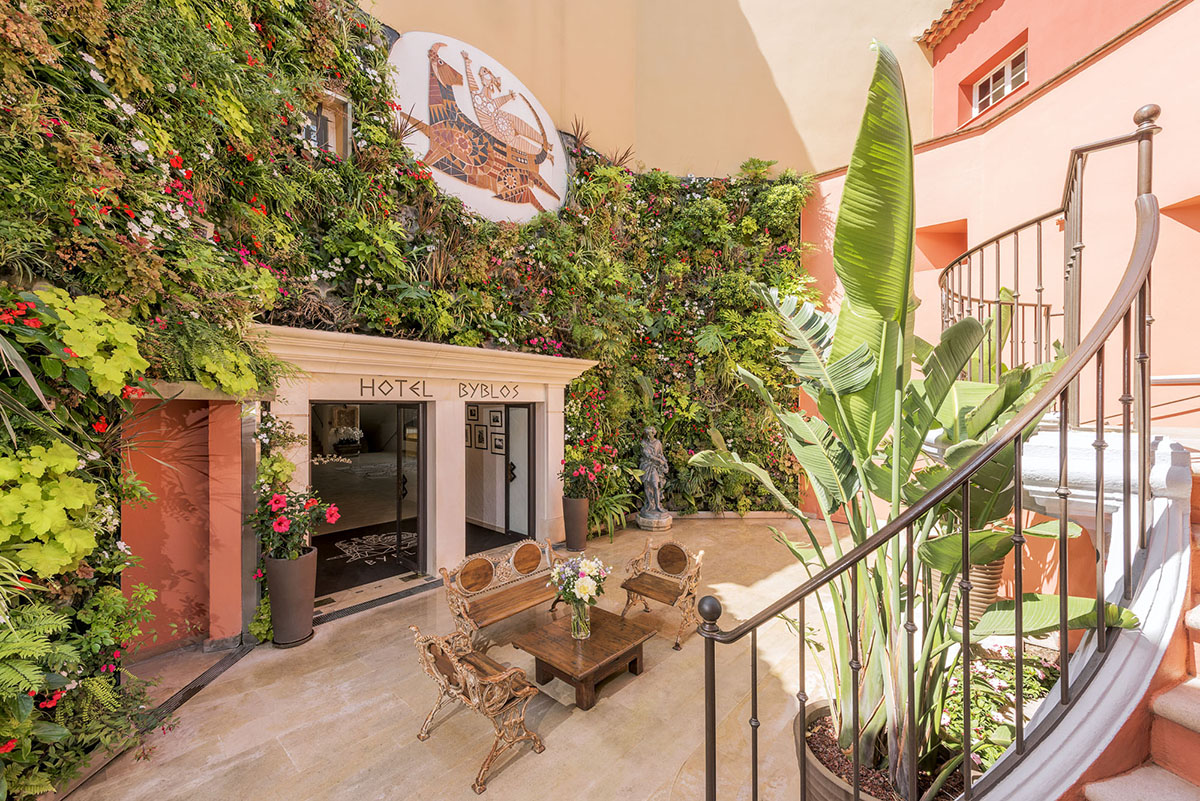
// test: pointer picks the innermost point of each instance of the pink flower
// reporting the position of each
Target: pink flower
(281, 524)
(277, 502)
(332, 514)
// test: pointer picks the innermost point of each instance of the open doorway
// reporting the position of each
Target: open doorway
(369, 459)
(500, 478)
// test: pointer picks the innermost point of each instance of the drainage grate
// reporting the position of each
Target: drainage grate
(172, 704)
(338, 614)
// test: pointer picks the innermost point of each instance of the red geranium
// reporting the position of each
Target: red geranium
(9, 746)
(332, 514)
(100, 425)
(281, 525)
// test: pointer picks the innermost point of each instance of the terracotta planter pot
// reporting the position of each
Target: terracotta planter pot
(985, 590)
(293, 587)
(823, 784)
(575, 514)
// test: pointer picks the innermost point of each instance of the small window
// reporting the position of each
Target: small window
(328, 126)
(1001, 82)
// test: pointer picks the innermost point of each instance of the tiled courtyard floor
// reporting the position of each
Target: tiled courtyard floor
(338, 717)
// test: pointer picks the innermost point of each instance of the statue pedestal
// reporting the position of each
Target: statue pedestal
(655, 523)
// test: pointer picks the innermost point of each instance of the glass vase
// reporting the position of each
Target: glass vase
(581, 621)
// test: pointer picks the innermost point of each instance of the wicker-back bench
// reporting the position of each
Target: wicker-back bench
(493, 585)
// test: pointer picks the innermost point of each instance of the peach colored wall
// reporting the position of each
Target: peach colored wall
(1008, 172)
(695, 86)
(225, 520)
(170, 454)
(1057, 34)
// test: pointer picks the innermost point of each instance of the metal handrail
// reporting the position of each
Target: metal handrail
(1131, 296)
(1135, 275)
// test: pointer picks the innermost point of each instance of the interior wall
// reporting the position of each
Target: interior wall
(485, 476)
(171, 535)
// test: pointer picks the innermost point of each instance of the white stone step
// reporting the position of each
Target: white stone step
(1147, 783)
(1192, 620)
(1180, 704)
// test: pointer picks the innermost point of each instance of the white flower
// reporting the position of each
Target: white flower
(122, 547)
(97, 76)
(171, 88)
(140, 145)
(128, 109)
(86, 57)
(585, 588)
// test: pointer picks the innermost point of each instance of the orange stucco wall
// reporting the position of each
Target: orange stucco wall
(188, 452)
(170, 454)
(998, 175)
(1057, 35)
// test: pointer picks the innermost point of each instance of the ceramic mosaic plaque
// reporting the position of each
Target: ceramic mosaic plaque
(482, 133)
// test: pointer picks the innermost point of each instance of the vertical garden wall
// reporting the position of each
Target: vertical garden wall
(160, 193)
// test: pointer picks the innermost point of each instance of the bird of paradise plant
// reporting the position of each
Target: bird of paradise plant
(867, 442)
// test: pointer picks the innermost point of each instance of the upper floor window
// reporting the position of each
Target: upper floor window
(328, 127)
(1000, 82)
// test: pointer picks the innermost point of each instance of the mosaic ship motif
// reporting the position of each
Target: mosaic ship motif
(499, 152)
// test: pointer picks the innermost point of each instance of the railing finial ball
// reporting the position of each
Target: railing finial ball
(709, 608)
(1147, 114)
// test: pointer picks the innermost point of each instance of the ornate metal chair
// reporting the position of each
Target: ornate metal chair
(669, 574)
(498, 693)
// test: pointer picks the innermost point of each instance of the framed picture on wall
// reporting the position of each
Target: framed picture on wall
(472, 413)
(470, 439)
(481, 437)
(498, 443)
(496, 418)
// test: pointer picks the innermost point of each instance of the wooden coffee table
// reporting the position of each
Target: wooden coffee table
(615, 644)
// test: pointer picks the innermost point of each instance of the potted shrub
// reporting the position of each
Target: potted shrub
(284, 522)
(580, 480)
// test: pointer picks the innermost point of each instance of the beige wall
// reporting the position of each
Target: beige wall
(696, 86)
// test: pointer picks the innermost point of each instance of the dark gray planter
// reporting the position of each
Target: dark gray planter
(823, 784)
(575, 514)
(293, 587)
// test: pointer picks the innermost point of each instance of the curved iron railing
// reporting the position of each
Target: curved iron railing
(1130, 309)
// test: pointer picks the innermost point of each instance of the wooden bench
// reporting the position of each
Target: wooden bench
(479, 682)
(494, 585)
(669, 574)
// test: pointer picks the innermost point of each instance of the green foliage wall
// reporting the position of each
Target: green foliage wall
(158, 197)
(133, 126)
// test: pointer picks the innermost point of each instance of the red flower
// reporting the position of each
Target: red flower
(177, 161)
(281, 525)
(130, 391)
(101, 425)
(33, 322)
(277, 502)
(332, 514)
(310, 503)
(10, 745)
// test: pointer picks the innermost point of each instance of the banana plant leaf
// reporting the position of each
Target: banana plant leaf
(1039, 613)
(944, 553)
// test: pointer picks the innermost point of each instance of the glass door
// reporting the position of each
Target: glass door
(369, 460)
(518, 442)
(410, 495)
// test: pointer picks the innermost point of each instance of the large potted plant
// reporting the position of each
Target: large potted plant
(581, 478)
(867, 444)
(284, 522)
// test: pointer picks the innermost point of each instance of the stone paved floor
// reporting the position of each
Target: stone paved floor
(337, 718)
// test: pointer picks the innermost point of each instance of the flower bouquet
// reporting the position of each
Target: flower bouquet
(580, 582)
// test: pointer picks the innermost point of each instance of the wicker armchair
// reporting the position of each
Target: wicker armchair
(498, 693)
(669, 574)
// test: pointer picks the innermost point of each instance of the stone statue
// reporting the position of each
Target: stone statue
(653, 516)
